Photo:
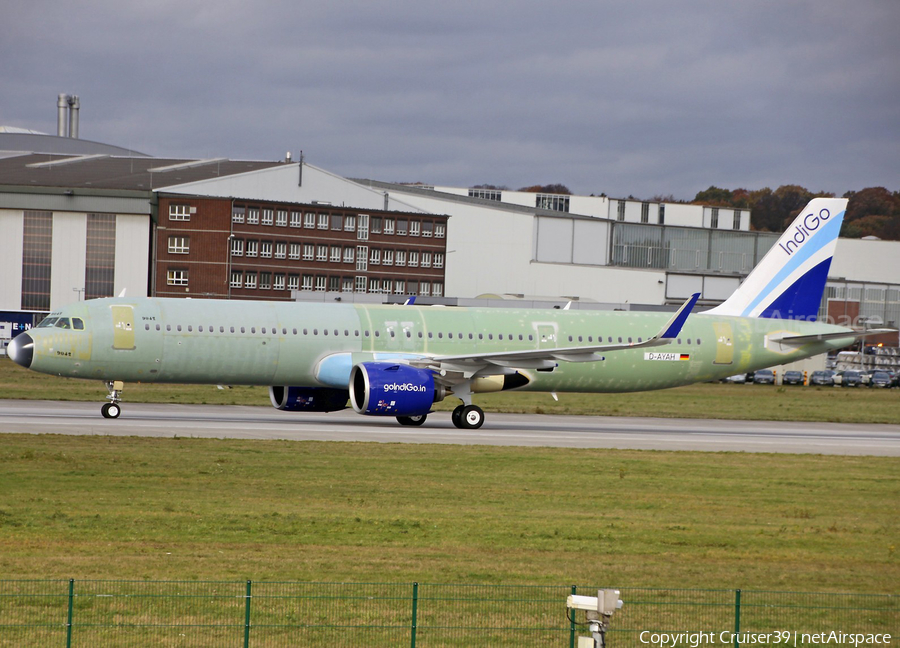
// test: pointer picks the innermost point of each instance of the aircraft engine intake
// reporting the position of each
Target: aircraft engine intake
(308, 399)
(390, 389)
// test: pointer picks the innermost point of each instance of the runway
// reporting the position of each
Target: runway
(215, 421)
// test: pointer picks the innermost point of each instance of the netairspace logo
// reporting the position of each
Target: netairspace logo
(407, 387)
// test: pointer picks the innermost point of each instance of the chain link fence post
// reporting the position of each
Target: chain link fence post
(69, 614)
(247, 615)
(415, 613)
(737, 618)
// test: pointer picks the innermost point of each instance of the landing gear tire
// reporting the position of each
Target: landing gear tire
(471, 417)
(412, 420)
(110, 410)
(456, 416)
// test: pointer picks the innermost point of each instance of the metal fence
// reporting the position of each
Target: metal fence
(100, 613)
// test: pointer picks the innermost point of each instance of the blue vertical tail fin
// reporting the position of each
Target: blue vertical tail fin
(789, 281)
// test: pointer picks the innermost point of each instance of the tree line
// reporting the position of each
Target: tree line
(873, 211)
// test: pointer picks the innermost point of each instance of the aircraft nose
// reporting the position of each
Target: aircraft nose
(21, 350)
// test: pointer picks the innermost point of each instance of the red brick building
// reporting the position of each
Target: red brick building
(248, 249)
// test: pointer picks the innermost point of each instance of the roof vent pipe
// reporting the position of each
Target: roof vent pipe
(62, 106)
(74, 106)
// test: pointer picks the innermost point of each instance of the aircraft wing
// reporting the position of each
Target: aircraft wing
(799, 340)
(547, 358)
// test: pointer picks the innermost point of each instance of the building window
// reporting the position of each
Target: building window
(388, 258)
(250, 280)
(349, 223)
(386, 285)
(280, 250)
(360, 286)
(100, 256)
(413, 260)
(349, 254)
(179, 244)
(439, 230)
(237, 214)
(374, 285)
(281, 218)
(402, 225)
(414, 227)
(267, 216)
(714, 218)
(427, 229)
(737, 219)
(362, 258)
(426, 259)
(309, 251)
(399, 287)
(337, 222)
(323, 221)
(307, 282)
(438, 260)
(253, 216)
(376, 224)
(237, 247)
(437, 289)
(265, 280)
(335, 253)
(375, 256)
(296, 219)
(362, 227)
(252, 248)
(425, 289)
(237, 279)
(295, 251)
(179, 212)
(645, 212)
(400, 258)
(347, 284)
(620, 210)
(321, 253)
(388, 225)
(320, 283)
(177, 277)
(334, 284)
(309, 220)
(293, 282)
(278, 283)
(486, 194)
(553, 202)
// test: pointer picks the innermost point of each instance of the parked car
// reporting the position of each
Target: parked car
(792, 378)
(764, 377)
(848, 378)
(738, 379)
(824, 378)
(880, 379)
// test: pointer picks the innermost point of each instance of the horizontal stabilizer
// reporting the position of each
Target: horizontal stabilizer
(850, 334)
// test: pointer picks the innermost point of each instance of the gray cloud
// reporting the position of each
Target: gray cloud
(640, 98)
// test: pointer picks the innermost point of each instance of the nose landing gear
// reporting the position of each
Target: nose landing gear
(112, 408)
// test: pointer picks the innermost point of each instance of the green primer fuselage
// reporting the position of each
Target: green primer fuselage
(283, 343)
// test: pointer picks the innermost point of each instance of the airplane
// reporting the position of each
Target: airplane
(398, 360)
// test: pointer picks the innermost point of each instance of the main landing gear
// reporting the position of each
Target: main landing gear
(112, 408)
(468, 417)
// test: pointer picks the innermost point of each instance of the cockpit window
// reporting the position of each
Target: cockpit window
(63, 323)
(77, 323)
(47, 322)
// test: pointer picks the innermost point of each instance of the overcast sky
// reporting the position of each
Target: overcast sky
(624, 97)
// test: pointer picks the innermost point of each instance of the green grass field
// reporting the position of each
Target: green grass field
(176, 508)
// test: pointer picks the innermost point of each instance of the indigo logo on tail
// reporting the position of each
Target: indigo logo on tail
(803, 230)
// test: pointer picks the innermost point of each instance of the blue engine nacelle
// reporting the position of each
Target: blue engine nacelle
(308, 399)
(389, 389)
